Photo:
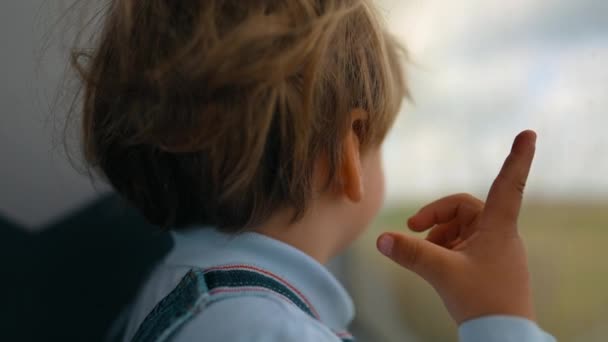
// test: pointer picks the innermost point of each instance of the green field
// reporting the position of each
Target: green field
(568, 251)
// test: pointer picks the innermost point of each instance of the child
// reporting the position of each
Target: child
(252, 130)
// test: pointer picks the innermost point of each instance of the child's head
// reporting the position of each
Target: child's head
(219, 112)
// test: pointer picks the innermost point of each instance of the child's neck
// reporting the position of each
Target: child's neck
(319, 235)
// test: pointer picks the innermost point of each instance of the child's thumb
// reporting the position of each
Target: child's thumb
(417, 255)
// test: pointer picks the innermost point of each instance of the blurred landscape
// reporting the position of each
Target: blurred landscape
(479, 73)
(567, 251)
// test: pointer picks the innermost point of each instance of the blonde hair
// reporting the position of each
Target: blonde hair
(214, 112)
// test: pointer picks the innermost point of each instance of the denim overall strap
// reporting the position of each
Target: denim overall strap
(199, 289)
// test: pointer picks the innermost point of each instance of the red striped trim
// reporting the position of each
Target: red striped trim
(344, 334)
(272, 275)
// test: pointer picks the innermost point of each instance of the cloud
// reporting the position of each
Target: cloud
(484, 71)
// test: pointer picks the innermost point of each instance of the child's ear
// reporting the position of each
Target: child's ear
(351, 170)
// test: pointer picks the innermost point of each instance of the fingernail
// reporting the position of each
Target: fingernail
(385, 244)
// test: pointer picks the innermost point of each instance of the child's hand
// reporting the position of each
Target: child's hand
(474, 256)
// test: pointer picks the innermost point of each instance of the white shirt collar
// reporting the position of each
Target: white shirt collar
(206, 247)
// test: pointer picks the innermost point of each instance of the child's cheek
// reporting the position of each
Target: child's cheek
(375, 187)
(381, 187)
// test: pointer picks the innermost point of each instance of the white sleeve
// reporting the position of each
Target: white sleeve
(253, 319)
(502, 329)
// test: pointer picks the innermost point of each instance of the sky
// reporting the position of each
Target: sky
(482, 71)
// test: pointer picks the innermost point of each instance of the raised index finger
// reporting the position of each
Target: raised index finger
(505, 196)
